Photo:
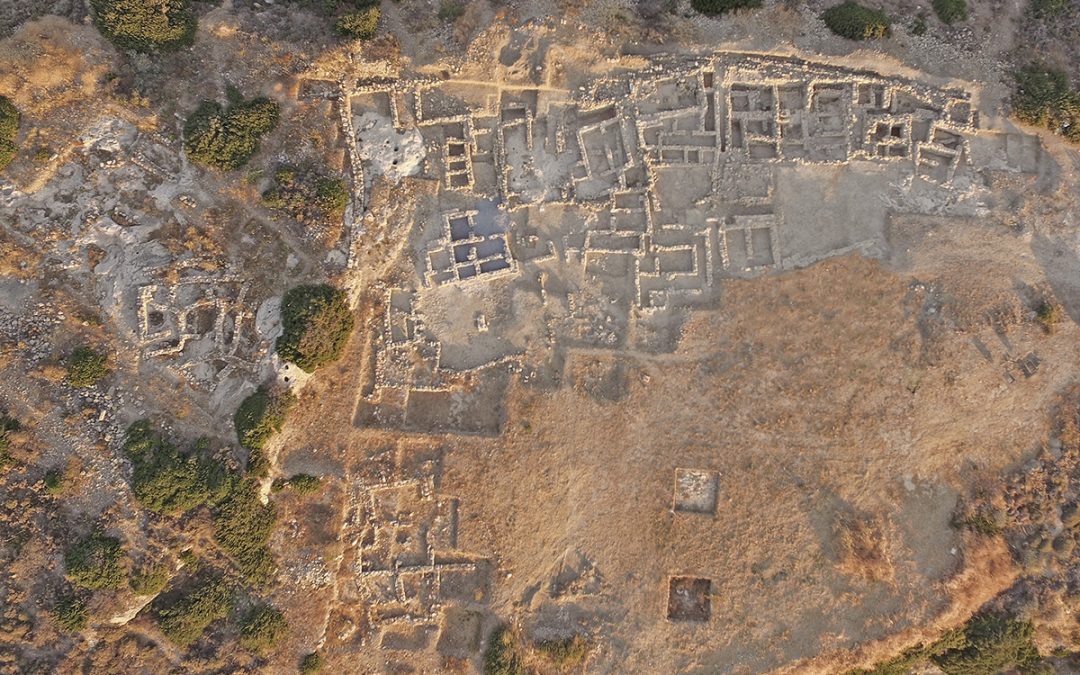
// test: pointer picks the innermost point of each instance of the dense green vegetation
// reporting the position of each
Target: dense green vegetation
(262, 627)
(149, 580)
(94, 562)
(1049, 9)
(717, 7)
(361, 24)
(1044, 98)
(8, 425)
(565, 654)
(166, 480)
(54, 481)
(311, 663)
(9, 131)
(317, 322)
(856, 22)
(501, 656)
(226, 137)
(145, 25)
(87, 367)
(301, 484)
(185, 621)
(242, 528)
(70, 612)
(988, 643)
(951, 11)
(307, 196)
(260, 416)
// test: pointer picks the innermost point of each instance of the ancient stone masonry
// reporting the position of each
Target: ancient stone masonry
(417, 589)
(627, 199)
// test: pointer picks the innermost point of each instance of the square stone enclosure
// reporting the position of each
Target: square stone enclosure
(695, 491)
(688, 599)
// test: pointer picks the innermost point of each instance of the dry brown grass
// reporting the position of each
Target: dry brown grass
(863, 549)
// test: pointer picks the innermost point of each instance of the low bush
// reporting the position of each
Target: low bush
(164, 479)
(951, 11)
(242, 528)
(9, 131)
(149, 580)
(226, 137)
(8, 425)
(312, 663)
(1048, 313)
(307, 196)
(186, 620)
(988, 643)
(70, 612)
(262, 628)
(87, 367)
(1043, 98)
(994, 644)
(1049, 9)
(54, 481)
(359, 25)
(565, 654)
(718, 7)
(145, 25)
(501, 656)
(260, 416)
(94, 562)
(317, 322)
(305, 484)
(856, 22)
(451, 10)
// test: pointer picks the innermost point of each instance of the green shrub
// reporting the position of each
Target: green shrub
(226, 138)
(9, 119)
(70, 612)
(1043, 98)
(166, 481)
(86, 367)
(856, 22)
(145, 25)
(149, 580)
(1049, 9)
(260, 416)
(317, 322)
(262, 628)
(94, 562)
(186, 620)
(54, 481)
(565, 654)
(242, 528)
(9, 130)
(951, 11)
(718, 7)
(312, 663)
(994, 644)
(918, 24)
(7, 426)
(8, 151)
(305, 484)
(307, 196)
(451, 10)
(360, 25)
(501, 656)
(1048, 313)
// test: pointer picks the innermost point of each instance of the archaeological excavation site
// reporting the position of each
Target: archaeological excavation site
(580, 336)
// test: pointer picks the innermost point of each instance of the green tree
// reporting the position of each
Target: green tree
(87, 367)
(856, 22)
(262, 627)
(951, 11)
(317, 323)
(718, 7)
(165, 480)
(145, 25)
(226, 137)
(187, 619)
(94, 562)
(242, 528)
